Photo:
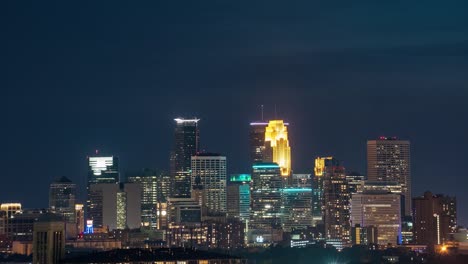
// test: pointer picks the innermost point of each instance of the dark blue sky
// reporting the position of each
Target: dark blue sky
(81, 76)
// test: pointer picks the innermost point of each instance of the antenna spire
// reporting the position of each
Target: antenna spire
(262, 111)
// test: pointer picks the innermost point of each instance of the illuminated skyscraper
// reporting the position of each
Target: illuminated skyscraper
(388, 159)
(257, 142)
(209, 172)
(238, 196)
(101, 169)
(62, 200)
(332, 196)
(380, 209)
(186, 144)
(296, 208)
(317, 187)
(114, 205)
(266, 196)
(155, 187)
(277, 143)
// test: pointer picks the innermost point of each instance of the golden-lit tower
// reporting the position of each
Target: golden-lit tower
(276, 139)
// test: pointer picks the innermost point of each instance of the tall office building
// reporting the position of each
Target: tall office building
(277, 143)
(7, 210)
(435, 217)
(388, 159)
(101, 169)
(317, 187)
(155, 189)
(355, 181)
(266, 196)
(115, 206)
(62, 198)
(380, 209)
(336, 198)
(296, 208)
(257, 143)
(238, 196)
(186, 145)
(209, 171)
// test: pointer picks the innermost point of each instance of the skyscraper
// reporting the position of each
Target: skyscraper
(62, 198)
(435, 217)
(238, 196)
(296, 208)
(186, 145)
(336, 198)
(101, 169)
(380, 209)
(321, 163)
(155, 189)
(209, 171)
(114, 205)
(266, 196)
(257, 142)
(388, 159)
(277, 143)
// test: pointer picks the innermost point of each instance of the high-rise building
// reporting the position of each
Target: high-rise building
(277, 143)
(209, 172)
(48, 239)
(317, 187)
(296, 208)
(113, 205)
(155, 189)
(257, 143)
(388, 159)
(380, 209)
(186, 145)
(238, 196)
(336, 198)
(62, 198)
(435, 217)
(101, 169)
(266, 196)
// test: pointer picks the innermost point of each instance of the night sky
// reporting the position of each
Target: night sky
(81, 76)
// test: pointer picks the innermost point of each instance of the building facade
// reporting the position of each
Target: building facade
(186, 145)
(388, 159)
(435, 218)
(238, 197)
(277, 143)
(155, 189)
(266, 196)
(381, 210)
(209, 173)
(257, 142)
(296, 208)
(48, 240)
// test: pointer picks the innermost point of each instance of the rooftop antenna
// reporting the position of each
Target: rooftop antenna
(275, 112)
(262, 111)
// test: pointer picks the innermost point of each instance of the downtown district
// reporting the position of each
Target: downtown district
(197, 205)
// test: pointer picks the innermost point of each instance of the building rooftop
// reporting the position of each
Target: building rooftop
(137, 255)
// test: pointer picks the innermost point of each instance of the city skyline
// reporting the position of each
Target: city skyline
(113, 77)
